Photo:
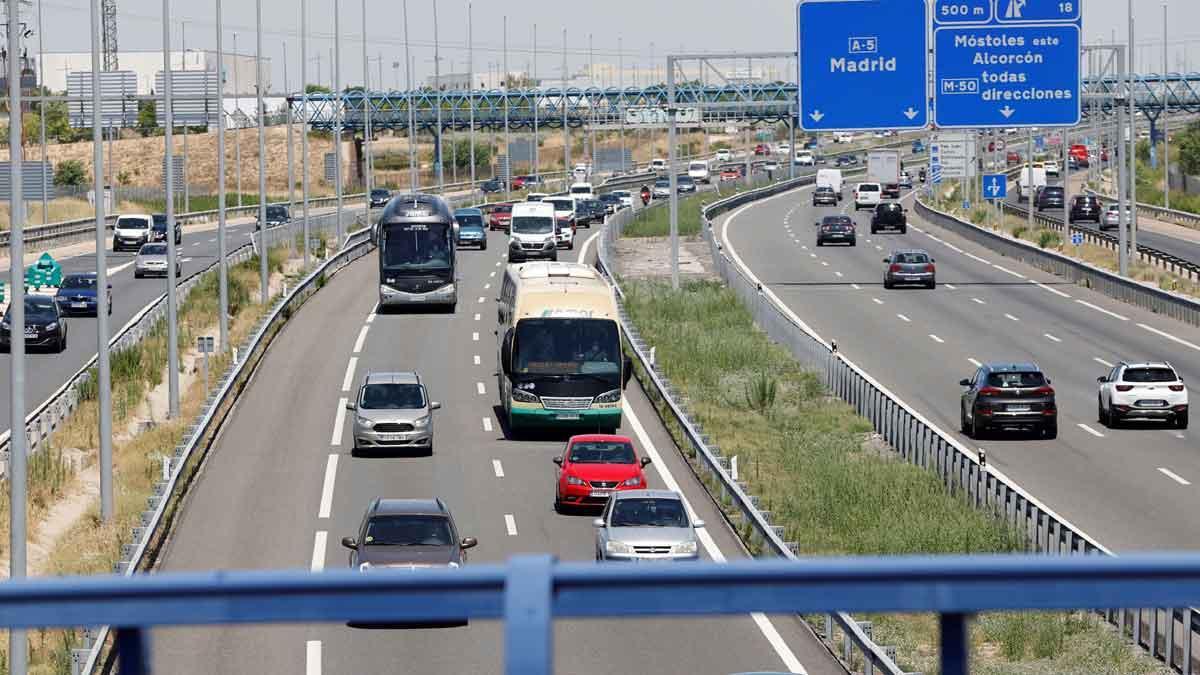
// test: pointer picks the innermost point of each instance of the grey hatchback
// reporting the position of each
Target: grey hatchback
(393, 410)
(909, 266)
(151, 260)
(407, 533)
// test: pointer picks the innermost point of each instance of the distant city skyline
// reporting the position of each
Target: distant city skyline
(649, 31)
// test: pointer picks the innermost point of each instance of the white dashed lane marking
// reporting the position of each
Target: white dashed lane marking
(936, 339)
(487, 424)
(903, 318)
(510, 524)
(1090, 430)
(498, 468)
(1051, 337)
(1173, 476)
(1102, 362)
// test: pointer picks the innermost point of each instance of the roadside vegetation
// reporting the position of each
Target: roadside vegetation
(91, 546)
(837, 489)
(656, 221)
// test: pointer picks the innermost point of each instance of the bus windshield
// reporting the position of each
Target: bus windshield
(558, 346)
(415, 246)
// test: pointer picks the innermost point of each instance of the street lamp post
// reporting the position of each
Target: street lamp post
(172, 294)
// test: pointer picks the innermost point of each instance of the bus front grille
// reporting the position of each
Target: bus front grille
(563, 403)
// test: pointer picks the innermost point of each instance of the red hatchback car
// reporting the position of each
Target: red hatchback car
(593, 467)
(501, 217)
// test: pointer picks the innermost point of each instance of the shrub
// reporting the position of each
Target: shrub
(70, 172)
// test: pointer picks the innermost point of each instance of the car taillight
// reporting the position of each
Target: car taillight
(1176, 387)
(929, 268)
(990, 391)
(894, 268)
(1044, 391)
(1124, 387)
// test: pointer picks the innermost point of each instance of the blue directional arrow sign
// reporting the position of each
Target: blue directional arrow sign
(863, 64)
(1007, 63)
(995, 186)
(1077, 238)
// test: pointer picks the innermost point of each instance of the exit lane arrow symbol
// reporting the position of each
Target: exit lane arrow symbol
(994, 188)
(910, 113)
(817, 116)
(1007, 112)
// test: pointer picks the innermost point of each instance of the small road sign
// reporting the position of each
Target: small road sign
(863, 69)
(995, 186)
(1077, 238)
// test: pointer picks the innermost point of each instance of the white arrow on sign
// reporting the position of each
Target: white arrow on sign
(910, 113)
(1007, 112)
(817, 115)
(994, 188)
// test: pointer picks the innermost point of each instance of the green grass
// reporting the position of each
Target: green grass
(209, 202)
(656, 221)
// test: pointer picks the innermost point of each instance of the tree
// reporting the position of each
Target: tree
(147, 118)
(1189, 149)
(460, 154)
(317, 89)
(70, 172)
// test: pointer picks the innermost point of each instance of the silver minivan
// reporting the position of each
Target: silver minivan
(393, 412)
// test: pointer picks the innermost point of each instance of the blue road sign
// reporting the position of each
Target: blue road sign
(966, 205)
(1008, 63)
(863, 64)
(1039, 143)
(1077, 238)
(995, 186)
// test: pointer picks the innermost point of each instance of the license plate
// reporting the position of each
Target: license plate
(1018, 408)
(566, 417)
(393, 437)
(79, 305)
(601, 493)
(1151, 404)
(30, 332)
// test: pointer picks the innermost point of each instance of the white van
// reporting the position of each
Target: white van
(698, 171)
(658, 165)
(1031, 179)
(581, 172)
(532, 232)
(564, 219)
(723, 155)
(131, 232)
(582, 191)
(867, 195)
(831, 178)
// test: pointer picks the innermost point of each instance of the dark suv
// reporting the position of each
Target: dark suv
(1049, 197)
(158, 231)
(889, 216)
(1085, 207)
(891, 191)
(1008, 395)
(836, 229)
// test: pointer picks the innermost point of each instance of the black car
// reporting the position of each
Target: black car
(611, 201)
(158, 232)
(276, 215)
(45, 325)
(846, 160)
(1008, 396)
(491, 186)
(824, 195)
(891, 191)
(836, 229)
(889, 216)
(380, 197)
(1085, 207)
(1049, 197)
(588, 211)
(77, 295)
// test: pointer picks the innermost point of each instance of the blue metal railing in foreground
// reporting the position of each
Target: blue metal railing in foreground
(529, 592)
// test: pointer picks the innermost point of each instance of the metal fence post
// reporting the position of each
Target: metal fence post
(528, 624)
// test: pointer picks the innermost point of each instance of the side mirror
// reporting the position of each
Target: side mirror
(598, 523)
(627, 371)
(558, 460)
(435, 406)
(469, 542)
(351, 406)
(698, 523)
(1048, 381)
(887, 260)
(645, 461)
(1102, 379)
(350, 543)
(964, 383)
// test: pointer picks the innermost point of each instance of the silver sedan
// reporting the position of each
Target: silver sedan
(1112, 217)
(151, 261)
(646, 525)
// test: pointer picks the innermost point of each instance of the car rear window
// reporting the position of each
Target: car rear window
(890, 206)
(503, 208)
(79, 282)
(1149, 375)
(469, 220)
(389, 396)
(910, 258)
(1057, 191)
(154, 249)
(868, 187)
(602, 452)
(1016, 379)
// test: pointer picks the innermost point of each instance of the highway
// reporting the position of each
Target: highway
(280, 489)
(1132, 488)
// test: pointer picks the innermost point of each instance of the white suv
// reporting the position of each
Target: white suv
(1142, 390)
(867, 196)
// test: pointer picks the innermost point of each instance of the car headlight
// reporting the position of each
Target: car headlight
(53, 325)
(613, 396)
(572, 480)
(524, 396)
(684, 548)
(421, 422)
(364, 422)
(4, 324)
(514, 244)
(549, 243)
(632, 482)
(617, 547)
(453, 564)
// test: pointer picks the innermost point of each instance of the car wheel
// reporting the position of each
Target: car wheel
(904, 230)
(62, 344)
(1181, 420)
(854, 242)
(1101, 415)
(932, 285)
(571, 245)
(137, 275)
(559, 507)
(887, 284)
(1050, 430)
(962, 421)
(978, 431)
(483, 246)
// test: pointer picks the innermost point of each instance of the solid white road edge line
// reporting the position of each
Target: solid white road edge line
(312, 657)
(1173, 476)
(349, 378)
(1051, 337)
(1170, 337)
(1044, 287)
(587, 243)
(327, 486)
(710, 545)
(362, 337)
(339, 418)
(1102, 362)
(318, 554)
(975, 362)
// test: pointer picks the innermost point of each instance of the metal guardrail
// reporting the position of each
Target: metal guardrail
(1167, 633)
(765, 537)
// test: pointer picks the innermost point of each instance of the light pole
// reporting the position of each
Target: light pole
(507, 137)
(103, 372)
(471, 87)
(304, 123)
(412, 115)
(1133, 217)
(366, 115)
(172, 295)
(237, 123)
(263, 272)
(42, 112)
(562, 103)
(1166, 124)
(437, 83)
(291, 145)
(537, 165)
(222, 263)
(337, 121)
(621, 98)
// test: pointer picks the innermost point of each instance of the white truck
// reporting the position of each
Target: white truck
(698, 171)
(1030, 180)
(831, 178)
(883, 166)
